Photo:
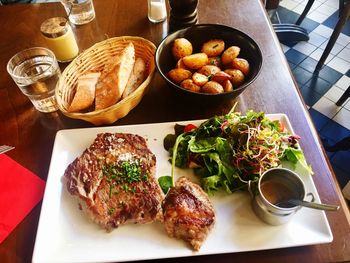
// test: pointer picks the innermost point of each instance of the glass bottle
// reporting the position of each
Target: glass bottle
(59, 38)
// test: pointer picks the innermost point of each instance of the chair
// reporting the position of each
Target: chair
(342, 145)
(344, 97)
(344, 13)
(290, 33)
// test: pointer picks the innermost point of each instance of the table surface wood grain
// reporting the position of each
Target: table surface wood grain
(274, 91)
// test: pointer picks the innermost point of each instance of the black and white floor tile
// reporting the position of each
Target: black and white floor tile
(320, 92)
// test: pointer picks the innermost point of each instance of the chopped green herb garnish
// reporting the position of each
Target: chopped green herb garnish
(110, 210)
(110, 190)
(124, 173)
(126, 188)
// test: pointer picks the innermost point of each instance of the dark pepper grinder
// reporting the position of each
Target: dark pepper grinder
(183, 13)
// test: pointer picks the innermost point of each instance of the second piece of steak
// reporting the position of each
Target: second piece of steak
(188, 213)
(114, 181)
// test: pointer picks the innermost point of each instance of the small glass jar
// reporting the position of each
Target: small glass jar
(156, 11)
(59, 38)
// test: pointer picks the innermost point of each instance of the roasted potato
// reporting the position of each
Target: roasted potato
(212, 87)
(227, 85)
(229, 55)
(190, 85)
(213, 47)
(241, 64)
(221, 76)
(215, 61)
(179, 74)
(195, 61)
(199, 79)
(180, 64)
(237, 77)
(209, 70)
(181, 48)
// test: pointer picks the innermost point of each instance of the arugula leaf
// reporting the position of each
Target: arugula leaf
(173, 160)
(210, 128)
(165, 182)
(181, 159)
(202, 145)
(224, 148)
(293, 155)
(211, 184)
(169, 141)
(297, 156)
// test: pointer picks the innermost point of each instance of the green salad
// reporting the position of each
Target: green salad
(228, 151)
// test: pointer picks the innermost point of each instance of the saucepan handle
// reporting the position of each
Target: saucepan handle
(312, 197)
(250, 188)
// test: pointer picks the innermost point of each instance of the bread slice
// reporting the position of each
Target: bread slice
(85, 94)
(114, 78)
(136, 78)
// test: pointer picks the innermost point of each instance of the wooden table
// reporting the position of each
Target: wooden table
(274, 91)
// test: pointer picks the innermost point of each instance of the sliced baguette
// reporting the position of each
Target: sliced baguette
(136, 78)
(114, 78)
(85, 95)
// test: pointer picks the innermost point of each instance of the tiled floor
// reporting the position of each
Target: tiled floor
(321, 91)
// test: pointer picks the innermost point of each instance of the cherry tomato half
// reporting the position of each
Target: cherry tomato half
(189, 127)
(280, 126)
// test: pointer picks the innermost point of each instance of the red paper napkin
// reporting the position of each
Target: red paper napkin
(20, 191)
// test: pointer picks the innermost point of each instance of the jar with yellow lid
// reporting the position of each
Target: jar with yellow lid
(59, 38)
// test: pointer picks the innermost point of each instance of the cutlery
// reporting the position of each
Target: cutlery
(313, 205)
(5, 148)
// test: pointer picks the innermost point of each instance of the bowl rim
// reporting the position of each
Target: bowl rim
(239, 89)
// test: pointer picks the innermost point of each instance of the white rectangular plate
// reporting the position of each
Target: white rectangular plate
(66, 235)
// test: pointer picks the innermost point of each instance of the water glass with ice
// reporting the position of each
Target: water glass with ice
(36, 72)
(79, 11)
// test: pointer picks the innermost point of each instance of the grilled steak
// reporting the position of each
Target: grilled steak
(188, 213)
(114, 181)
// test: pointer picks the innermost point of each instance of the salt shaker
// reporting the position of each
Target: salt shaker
(156, 10)
(59, 38)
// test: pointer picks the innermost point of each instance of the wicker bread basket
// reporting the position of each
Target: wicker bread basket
(94, 59)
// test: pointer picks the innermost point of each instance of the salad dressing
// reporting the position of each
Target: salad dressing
(277, 192)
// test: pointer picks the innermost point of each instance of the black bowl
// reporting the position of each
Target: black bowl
(197, 35)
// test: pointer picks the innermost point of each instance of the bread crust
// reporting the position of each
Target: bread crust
(114, 78)
(136, 78)
(85, 94)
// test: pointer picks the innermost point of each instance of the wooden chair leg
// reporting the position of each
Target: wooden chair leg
(344, 97)
(341, 6)
(304, 13)
(341, 22)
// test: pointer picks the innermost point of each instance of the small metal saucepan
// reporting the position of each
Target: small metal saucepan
(271, 190)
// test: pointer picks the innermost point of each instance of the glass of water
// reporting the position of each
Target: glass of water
(36, 72)
(79, 11)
